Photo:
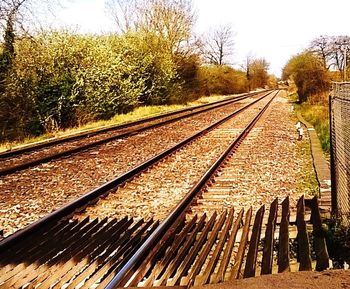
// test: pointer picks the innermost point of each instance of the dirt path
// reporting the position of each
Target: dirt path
(333, 279)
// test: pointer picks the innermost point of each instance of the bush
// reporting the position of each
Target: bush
(258, 73)
(41, 81)
(338, 243)
(316, 111)
(217, 79)
(59, 80)
(308, 74)
(187, 67)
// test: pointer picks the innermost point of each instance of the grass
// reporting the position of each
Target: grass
(137, 113)
(307, 184)
(316, 112)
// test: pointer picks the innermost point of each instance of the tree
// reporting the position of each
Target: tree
(9, 13)
(322, 47)
(222, 79)
(258, 73)
(124, 13)
(14, 19)
(338, 45)
(16, 22)
(330, 49)
(167, 28)
(218, 45)
(272, 81)
(308, 73)
(246, 67)
(170, 20)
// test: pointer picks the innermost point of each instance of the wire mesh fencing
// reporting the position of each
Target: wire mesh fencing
(340, 150)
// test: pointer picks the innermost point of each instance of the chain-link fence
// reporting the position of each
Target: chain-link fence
(340, 150)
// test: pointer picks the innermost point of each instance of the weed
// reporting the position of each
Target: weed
(338, 243)
(316, 112)
(307, 183)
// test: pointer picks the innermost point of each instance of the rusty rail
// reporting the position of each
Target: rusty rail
(192, 111)
(202, 249)
(125, 273)
(93, 195)
(178, 252)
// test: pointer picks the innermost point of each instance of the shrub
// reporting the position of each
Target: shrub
(316, 111)
(187, 68)
(217, 79)
(308, 74)
(41, 80)
(59, 80)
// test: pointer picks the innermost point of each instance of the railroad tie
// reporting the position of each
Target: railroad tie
(195, 251)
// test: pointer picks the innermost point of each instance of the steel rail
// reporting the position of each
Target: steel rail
(54, 156)
(180, 208)
(92, 132)
(91, 196)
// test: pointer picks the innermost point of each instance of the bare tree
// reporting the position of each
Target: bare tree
(170, 20)
(246, 67)
(339, 45)
(10, 13)
(322, 47)
(331, 49)
(15, 18)
(124, 13)
(218, 45)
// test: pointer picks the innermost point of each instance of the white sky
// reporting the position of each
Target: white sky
(271, 29)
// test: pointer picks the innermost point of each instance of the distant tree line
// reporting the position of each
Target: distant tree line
(51, 80)
(324, 61)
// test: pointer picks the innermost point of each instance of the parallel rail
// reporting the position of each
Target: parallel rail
(199, 251)
(126, 272)
(231, 245)
(32, 147)
(190, 254)
(133, 127)
(93, 195)
(180, 251)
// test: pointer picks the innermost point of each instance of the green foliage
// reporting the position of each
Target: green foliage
(316, 111)
(188, 67)
(218, 79)
(308, 73)
(106, 81)
(272, 82)
(40, 83)
(59, 80)
(307, 182)
(136, 114)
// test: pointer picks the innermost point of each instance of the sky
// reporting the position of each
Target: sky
(272, 29)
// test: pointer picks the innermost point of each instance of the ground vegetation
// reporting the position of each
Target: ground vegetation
(310, 75)
(52, 80)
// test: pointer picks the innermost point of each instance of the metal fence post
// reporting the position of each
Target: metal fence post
(340, 150)
(332, 161)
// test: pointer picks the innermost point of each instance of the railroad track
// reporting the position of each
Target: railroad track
(118, 181)
(34, 193)
(152, 193)
(227, 246)
(32, 155)
(129, 252)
